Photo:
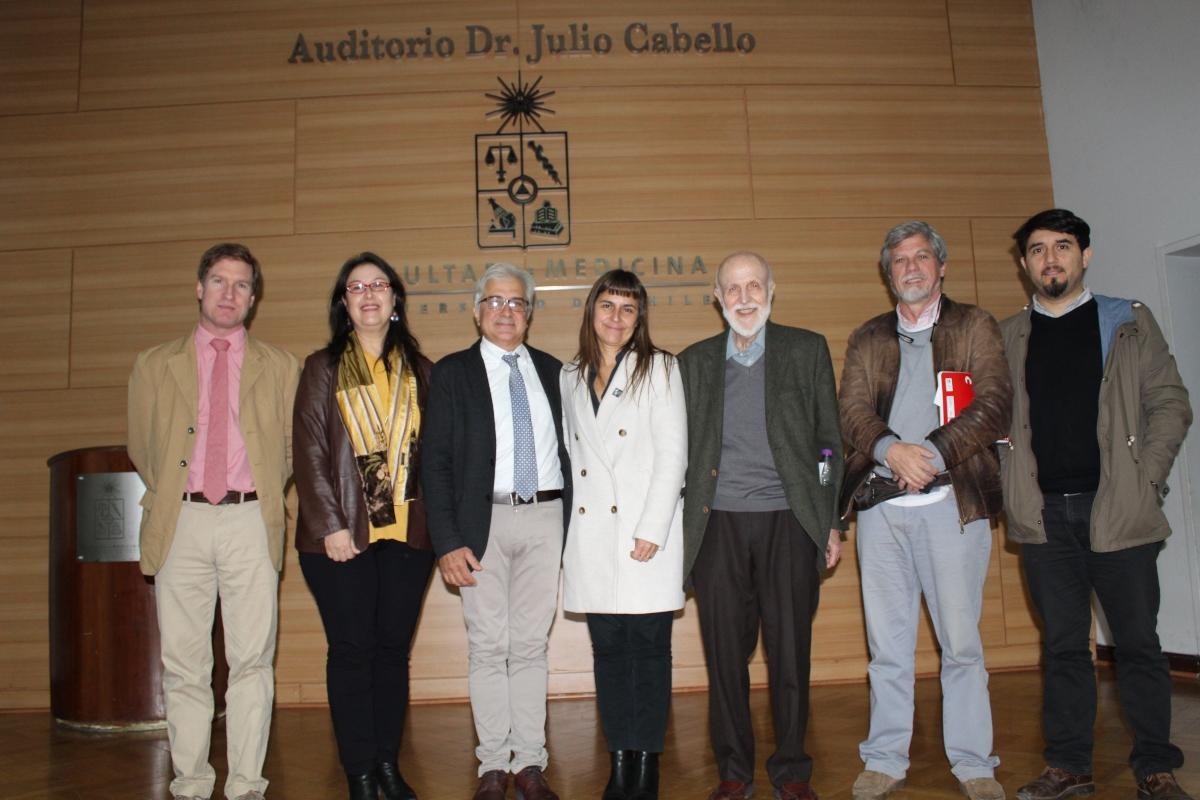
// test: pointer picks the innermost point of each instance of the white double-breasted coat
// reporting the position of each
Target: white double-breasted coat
(628, 462)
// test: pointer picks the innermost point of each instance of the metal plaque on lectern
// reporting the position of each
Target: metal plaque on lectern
(107, 516)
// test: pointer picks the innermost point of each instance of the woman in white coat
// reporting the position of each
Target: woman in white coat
(626, 425)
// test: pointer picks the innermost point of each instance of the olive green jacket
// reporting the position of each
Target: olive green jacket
(802, 420)
(1143, 417)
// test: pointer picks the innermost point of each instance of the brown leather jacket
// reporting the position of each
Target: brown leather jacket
(327, 479)
(965, 339)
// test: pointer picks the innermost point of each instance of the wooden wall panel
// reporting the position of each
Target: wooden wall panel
(657, 154)
(993, 43)
(796, 42)
(39, 56)
(146, 53)
(897, 152)
(139, 53)
(146, 175)
(844, 120)
(371, 163)
(1003, 287)
(35, 425)
(127, 298)
(35, 317)
(1021, 626)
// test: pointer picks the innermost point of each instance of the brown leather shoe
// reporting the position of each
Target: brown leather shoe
(732, 790)
(795, 791)
(531, 785)
(1054, 783)
(1161, 786)
(493, 785)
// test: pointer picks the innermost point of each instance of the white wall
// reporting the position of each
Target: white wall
(1121, 93)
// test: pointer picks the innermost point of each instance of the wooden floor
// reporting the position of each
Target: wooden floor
(38, 760)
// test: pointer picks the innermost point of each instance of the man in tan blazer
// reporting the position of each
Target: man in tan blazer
(210, 434)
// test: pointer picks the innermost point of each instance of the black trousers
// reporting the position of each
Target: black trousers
(369, 607)
(632, 658)
(1062, 573)
(757, 567)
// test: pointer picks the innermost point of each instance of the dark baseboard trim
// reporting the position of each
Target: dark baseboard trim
(1180, 662)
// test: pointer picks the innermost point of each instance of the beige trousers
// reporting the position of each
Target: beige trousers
(509, 613)
(218, 551)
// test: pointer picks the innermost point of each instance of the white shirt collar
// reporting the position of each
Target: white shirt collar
(927, 319)
(1084, 296)
(491, 350)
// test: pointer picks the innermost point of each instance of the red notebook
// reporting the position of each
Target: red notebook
(955, 391)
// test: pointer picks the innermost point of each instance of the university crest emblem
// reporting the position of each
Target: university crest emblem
(522, 176)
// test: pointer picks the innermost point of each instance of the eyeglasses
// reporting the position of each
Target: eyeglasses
(378, 287)
(517, 305)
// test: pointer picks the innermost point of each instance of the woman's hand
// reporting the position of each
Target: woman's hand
(643, 550)
(339, 546)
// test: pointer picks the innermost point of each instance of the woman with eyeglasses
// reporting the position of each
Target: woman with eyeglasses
(626, 422)
(364, 550)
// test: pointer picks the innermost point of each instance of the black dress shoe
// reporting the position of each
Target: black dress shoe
(392, 783)
(644, 779)
(363, 787)
(619, 778)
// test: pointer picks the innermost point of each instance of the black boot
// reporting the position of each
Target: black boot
(644, 780)
(392, 783)
(363, 787)
(619, 779)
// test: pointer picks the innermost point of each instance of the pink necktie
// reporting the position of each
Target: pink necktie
(216, 466)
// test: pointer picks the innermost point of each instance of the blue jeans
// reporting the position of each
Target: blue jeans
(1062, 573)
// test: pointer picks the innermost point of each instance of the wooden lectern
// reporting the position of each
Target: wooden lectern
(105, 670)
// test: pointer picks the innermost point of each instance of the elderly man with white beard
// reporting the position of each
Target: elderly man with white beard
(760, 518)
(924, 488)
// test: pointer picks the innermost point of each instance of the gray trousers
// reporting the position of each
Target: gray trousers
(508, 614)
(904, 553)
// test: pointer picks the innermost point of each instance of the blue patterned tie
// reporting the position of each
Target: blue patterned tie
(524, 456)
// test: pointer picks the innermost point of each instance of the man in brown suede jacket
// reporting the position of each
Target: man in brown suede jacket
(924, 491)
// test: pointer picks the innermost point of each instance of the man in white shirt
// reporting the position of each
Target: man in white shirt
(496, 479)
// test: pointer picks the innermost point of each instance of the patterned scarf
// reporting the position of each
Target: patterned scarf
(384, 439)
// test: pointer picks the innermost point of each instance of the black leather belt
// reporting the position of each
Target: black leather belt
(230, 498)
(511, 499)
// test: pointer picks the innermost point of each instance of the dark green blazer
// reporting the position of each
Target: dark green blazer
(801, 417)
